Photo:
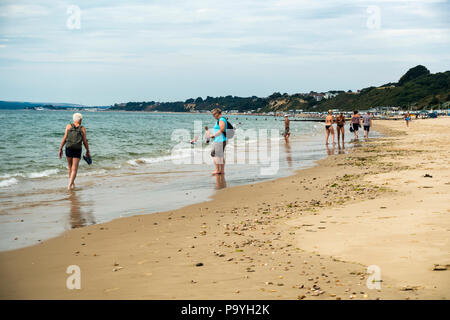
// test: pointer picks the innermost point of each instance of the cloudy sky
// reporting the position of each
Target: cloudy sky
(168, 50)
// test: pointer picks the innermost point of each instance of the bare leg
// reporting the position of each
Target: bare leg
(69, 165)
(73, 175)
(216, 163)
(342, 131)
(222, 166)
(332, 132)
(327, 135)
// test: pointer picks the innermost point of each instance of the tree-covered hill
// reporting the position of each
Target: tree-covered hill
(416, 89)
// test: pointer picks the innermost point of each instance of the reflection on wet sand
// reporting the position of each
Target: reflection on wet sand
(341, 150)
(288, 154)
(78, 217)
(356, 143)
(330, 151)
(220, 181)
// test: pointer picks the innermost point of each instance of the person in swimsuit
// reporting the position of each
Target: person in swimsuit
(207, 135)
(329, 120)
(286, 133)
(407, 118)
(367, 122)
(340, 123)
(74, 137)
(356, 122)
(220, 141)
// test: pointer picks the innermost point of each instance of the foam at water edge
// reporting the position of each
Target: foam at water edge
(42, 174)
(7, 183)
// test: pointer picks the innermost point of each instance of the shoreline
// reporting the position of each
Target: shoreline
(251, 247)
(30, 218)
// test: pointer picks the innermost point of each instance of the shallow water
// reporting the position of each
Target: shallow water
(135, 169)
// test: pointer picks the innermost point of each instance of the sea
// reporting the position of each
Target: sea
(142, 163)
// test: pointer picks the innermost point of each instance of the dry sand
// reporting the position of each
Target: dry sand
(307, 236)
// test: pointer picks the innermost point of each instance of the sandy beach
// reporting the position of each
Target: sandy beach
(307, 236)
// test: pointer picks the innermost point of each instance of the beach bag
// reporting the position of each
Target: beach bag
(74, 138)
(351, 128)
(229, 133)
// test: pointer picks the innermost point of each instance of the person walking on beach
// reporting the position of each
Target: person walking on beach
(407, 118)
(286, 133)
(74, 137)
(367, 122)
(340, 123)
(220, 141)
(356, 122)
(329, 120)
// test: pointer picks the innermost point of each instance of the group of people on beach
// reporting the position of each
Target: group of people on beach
(75, 136)
(355, 124)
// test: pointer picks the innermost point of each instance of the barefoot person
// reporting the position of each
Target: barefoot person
(74, 137)
(407, 118)
(367, 122)
(340, 123)
(329, 120)
(220, 141)
(356, 122)
(286, 133)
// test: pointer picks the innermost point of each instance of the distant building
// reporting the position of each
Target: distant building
(329, 95)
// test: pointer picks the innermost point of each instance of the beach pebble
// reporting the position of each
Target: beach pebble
(199, 264)
(408, 288)
(438, 267)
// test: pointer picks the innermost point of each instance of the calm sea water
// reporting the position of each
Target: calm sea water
(134, 168)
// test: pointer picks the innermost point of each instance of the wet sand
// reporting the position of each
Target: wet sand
(307, 236)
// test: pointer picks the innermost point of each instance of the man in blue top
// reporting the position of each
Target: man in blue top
(220, 140)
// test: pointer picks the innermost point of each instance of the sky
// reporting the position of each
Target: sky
(101, 52)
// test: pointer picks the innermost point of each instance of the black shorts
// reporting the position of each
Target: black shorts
(355, 126)
(366, 128)
(73, 153)
(218, 149)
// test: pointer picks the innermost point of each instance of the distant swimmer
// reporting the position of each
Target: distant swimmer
(367, 122)
(356, 123)
(74, 138)
(340, 123)
(329, 120)
(207, 135)
(287, 132)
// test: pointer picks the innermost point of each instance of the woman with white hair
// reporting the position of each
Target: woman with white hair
(74, 137)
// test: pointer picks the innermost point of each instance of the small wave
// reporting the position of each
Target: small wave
(12, 175)
(7, 183)
(178, 154)
(45, 173)
(93, 173)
